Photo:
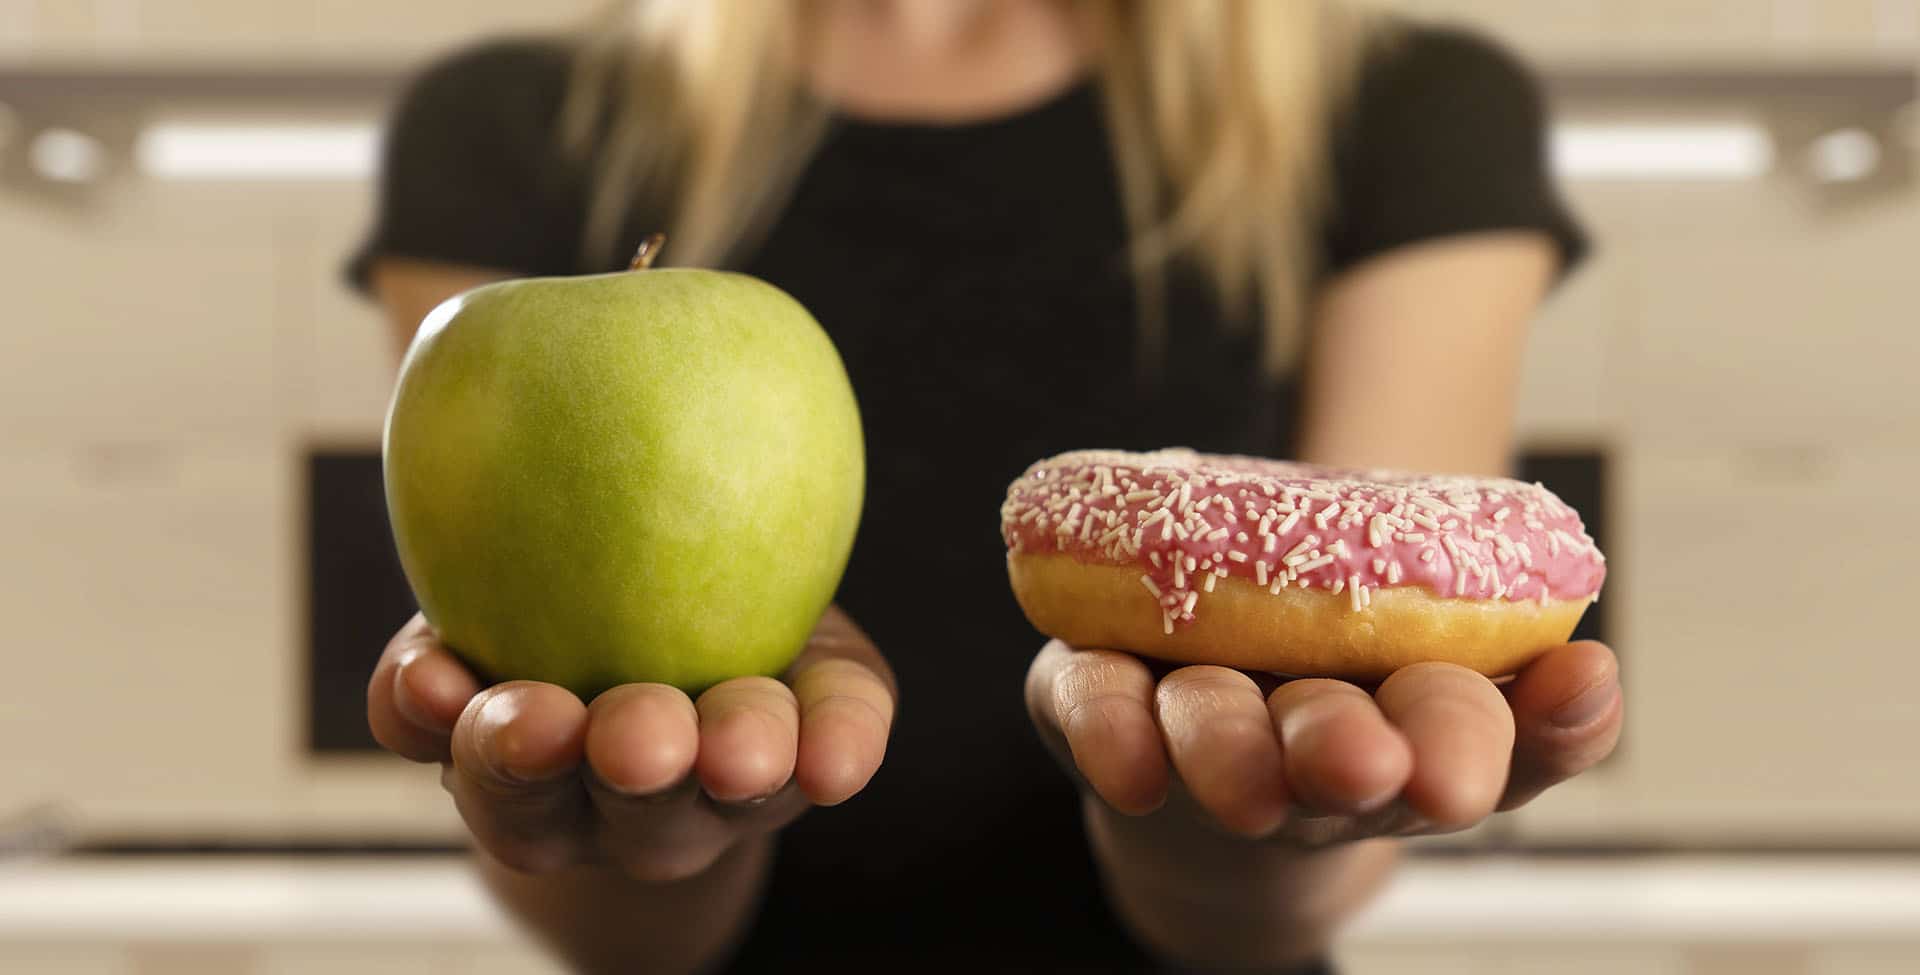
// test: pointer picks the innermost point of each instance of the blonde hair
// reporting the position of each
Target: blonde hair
(1219, 112)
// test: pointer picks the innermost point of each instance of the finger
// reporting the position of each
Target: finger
(416, 693)
(1221, 740)
(1340, 753)
(642, 738)
(1567, 710)
(1461, 733)
(846, 713)
(1100, 704)
(749, 733)
(516, 752)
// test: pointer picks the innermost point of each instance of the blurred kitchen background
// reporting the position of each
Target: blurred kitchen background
(194, 579)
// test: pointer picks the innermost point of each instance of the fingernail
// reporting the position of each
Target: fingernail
(751, 803)
(1587, 706)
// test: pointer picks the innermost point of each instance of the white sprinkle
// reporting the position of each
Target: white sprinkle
(1366, 596)
(1260, 572)
(1265, 523)
(1501, 515)
(1186, 608)
(1134, 497)
(1426, 555)
(1240, 537)
(1272, 542)
(1208, 584)
(1217, 534)
(1031, 514)
(1312, 564)
(1338, 586)
(1148, 582)
(1155, 556)
(1415, 537)
(1301, 582)
(1325, 517)
(1191, 564)
(1166, 530)
(1278, 584)
(1379, 567)
(1178, 529)
(1424, 521)
(1543, 595)
(1459, 582)
(1166, 622)
(1179, 575)
(1306, 545)
(1393, 573)
(1338, 548)
(1237, 556)
(1526, 554)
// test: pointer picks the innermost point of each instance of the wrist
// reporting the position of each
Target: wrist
(1197, 895)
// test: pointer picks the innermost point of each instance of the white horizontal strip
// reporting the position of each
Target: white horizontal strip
(1696, 899)
(1657, 152)
(1651, 899)
(240, 151)
(350, 151)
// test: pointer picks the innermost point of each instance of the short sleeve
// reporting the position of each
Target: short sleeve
(1446, 134)
(473, 170)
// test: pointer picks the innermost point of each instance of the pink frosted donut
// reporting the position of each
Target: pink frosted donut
(1294, 569)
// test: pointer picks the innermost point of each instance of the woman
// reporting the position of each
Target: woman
(1030, 226)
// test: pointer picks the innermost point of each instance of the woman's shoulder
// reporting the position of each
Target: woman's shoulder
(1413, 66)
(507, 79)
(1445, 133)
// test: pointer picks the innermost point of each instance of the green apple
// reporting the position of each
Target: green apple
(654, 475)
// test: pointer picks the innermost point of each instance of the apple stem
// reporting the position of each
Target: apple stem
(649, 249)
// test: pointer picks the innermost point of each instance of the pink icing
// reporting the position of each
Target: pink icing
(1185, 518)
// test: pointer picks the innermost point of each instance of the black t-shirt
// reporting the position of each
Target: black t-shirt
(972, 278)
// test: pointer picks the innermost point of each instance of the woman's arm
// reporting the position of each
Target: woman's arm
(1413, 365)
(1414, 356)
(408, 289)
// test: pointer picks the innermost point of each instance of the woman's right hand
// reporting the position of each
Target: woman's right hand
(643, 778)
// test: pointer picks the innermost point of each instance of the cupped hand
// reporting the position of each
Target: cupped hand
(644, 777)
(1434, 748)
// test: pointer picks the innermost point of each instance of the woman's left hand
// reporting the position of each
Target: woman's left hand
(1434, 748)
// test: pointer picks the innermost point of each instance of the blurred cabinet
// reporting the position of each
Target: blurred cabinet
(1786, 311)
(1764, 607)
(111, 334)
(254, 31)
(1729, 30)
